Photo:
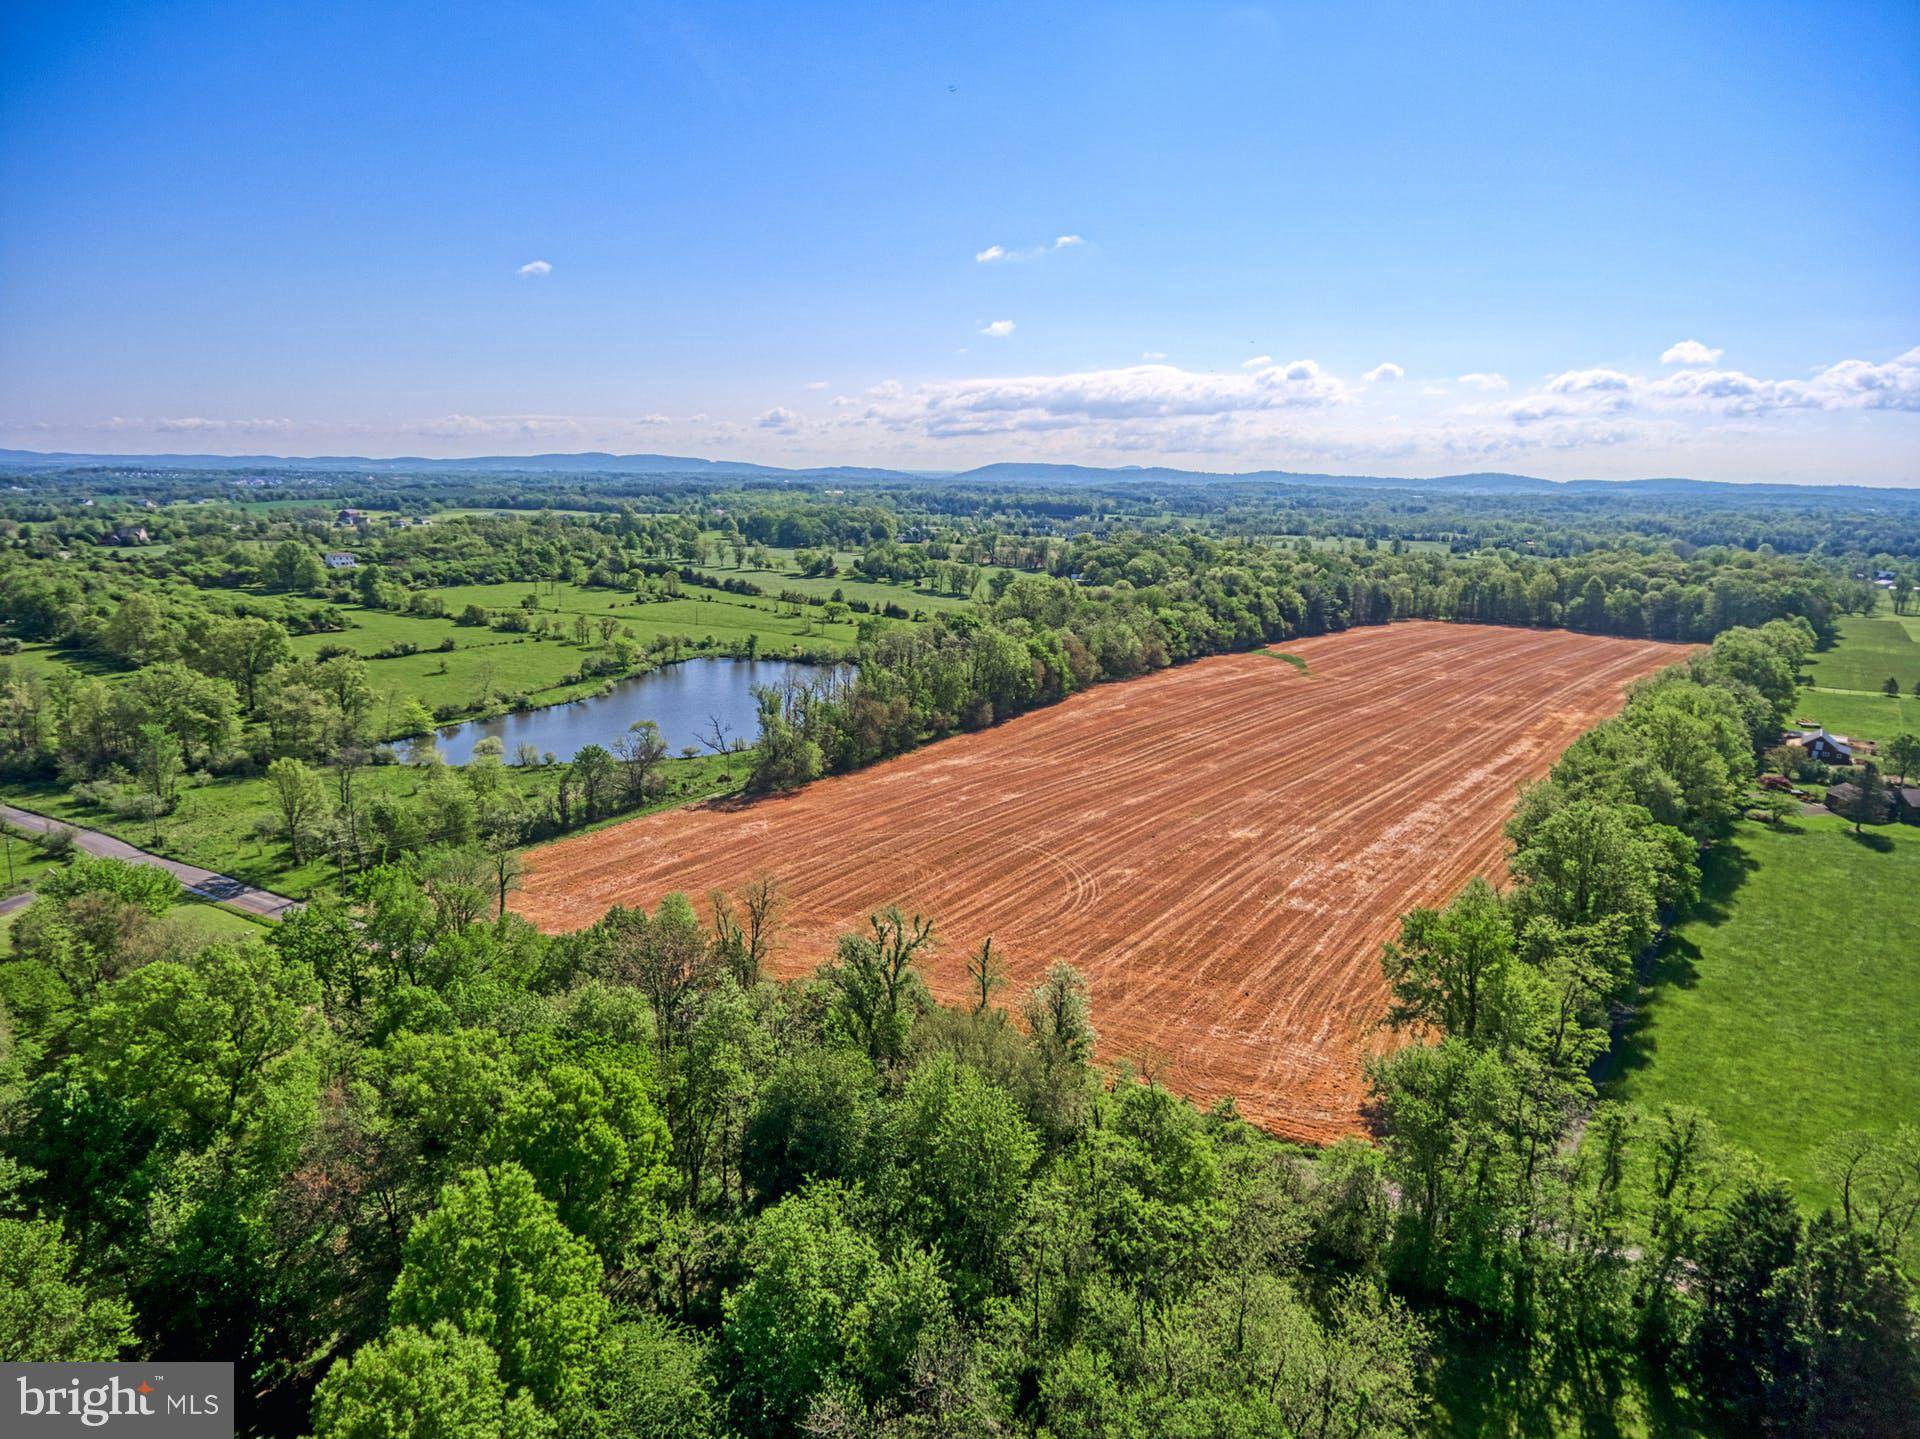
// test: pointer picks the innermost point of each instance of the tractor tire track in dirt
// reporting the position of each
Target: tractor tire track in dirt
(1221, 848)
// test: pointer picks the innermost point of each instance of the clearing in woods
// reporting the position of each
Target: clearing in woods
(1221, 847)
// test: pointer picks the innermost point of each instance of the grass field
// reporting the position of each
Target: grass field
(784, 575)
(1843, 689)
(486, 662)
(1788, 1006)
(217, 825)
(1871, 650)
(1859, 716)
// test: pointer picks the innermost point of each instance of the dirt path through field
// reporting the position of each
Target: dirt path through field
(1222, 847)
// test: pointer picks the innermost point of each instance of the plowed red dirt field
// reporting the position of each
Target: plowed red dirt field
(1221, 847)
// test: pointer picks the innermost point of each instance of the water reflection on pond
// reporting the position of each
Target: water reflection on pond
(683, 699)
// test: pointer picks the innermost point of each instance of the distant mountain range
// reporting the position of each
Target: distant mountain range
(1006, 473)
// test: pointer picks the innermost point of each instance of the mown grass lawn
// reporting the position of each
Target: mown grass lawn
(1788, 1007)
(1859, 716)
(227, 824)
(1843, 684)
(1871, 650)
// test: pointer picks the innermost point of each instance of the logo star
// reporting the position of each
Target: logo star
(145, 1388)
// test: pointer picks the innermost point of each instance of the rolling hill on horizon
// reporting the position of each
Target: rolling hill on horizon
(1011, 472)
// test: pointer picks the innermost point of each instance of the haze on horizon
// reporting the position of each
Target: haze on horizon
(1651, 240)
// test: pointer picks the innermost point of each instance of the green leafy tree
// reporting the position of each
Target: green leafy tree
(1903, 755)
(821, 1307)
(242, 651)
(45, 1313)
(811, 1120)
(300, 799)
(157, 755)
(137, 631)
(292, 566)
(874, 984)
(593, 771)
(1447, 968)
(494, 1260)
(963, 1152)
(1865, 801)
(655, 1382)
(595, 1145)
(218, 1045)
(414, 1384)
(1591, 862)
(147, 886)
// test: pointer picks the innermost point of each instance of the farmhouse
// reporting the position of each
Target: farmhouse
(340, 560)
(1827, 748)
(128, 535)
(350, 517)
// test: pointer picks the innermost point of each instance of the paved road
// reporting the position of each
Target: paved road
(224, 888)
(15, 901)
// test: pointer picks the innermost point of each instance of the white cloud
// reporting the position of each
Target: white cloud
(535, 269)
(999, 254)
(1848, 385)
(1386, 370)
(1485, 380)
(998, 329)
(1153, 354)
(531, 427)
(202, 425)
(1689, 352)
(1129, 404)
(1257, 362)
(1850, 420)
(816, 384)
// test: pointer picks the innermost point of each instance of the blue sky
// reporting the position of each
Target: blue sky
(1386, 239)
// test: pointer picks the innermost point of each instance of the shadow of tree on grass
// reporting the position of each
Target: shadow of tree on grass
(1673, 963)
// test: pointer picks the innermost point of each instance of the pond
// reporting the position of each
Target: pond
(683, 699)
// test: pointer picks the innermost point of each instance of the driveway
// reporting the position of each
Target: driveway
(227, 890)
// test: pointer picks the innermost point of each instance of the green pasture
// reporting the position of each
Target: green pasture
(1870, 650)
(1786, 1006)
(783, 574)
(1843, 683)
(486, 662)
(1859, 716)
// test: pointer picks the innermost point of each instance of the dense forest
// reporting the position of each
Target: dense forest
(402, 1155)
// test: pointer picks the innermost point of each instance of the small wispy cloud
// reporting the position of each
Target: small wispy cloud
(202, 424)
(816, 384)
(1386, 370)
(1485, 380)
(1690, 352)
(1151, 355)
(779, 418)
(1257, 362)
(997, 329)
(999, 254)
(535, 269)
